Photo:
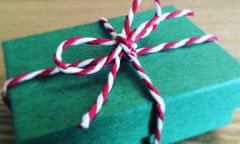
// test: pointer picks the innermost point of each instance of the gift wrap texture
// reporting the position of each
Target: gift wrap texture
(200, 85)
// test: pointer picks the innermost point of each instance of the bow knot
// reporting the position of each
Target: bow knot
(128, 46)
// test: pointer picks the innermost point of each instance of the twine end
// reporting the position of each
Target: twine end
(82, 125)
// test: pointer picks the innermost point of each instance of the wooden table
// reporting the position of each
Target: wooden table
(25, 17)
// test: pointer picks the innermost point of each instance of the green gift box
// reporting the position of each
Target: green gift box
(200, 85)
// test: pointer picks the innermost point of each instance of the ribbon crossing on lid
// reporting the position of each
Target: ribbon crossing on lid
(124, 45)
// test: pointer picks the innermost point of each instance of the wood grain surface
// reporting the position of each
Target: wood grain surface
(24, 17)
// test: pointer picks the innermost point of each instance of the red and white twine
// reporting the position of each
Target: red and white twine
(124, 46)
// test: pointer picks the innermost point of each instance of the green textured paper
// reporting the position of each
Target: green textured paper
(200, 85)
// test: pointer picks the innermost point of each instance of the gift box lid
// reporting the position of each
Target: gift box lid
(54, 103)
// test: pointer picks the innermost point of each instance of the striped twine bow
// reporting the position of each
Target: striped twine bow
(124, 46)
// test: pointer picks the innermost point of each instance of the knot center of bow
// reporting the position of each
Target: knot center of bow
(128, 46)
